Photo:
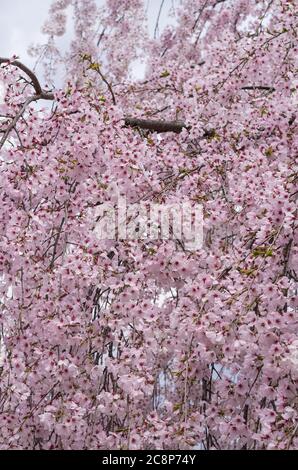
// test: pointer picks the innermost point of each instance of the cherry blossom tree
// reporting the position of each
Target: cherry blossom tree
(144, 344)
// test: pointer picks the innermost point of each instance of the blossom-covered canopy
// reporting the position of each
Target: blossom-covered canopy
(144, 344)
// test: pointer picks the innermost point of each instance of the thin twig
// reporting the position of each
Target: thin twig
(199, 15)
(108, 85)
(157, 21)
(96, 67)
(56, 243)
(101, 36)
(16, 118)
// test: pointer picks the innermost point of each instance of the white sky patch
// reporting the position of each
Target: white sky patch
(20, 25)
(2, 92)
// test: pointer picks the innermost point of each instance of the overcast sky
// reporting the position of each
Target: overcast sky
(20, 26)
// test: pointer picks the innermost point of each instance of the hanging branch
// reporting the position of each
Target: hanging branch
(157, 21)
(15, 120)
(40, 93)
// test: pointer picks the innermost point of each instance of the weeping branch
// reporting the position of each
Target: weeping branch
(157, 21)
(39, 92)
(15, 120)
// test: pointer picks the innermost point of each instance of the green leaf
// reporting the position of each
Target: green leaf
(164, 74)
(262, 251)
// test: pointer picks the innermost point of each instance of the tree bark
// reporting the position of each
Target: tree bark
(157, 126)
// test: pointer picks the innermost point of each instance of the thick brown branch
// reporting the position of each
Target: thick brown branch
(258, 87)
(34, 80)
(157, 126)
